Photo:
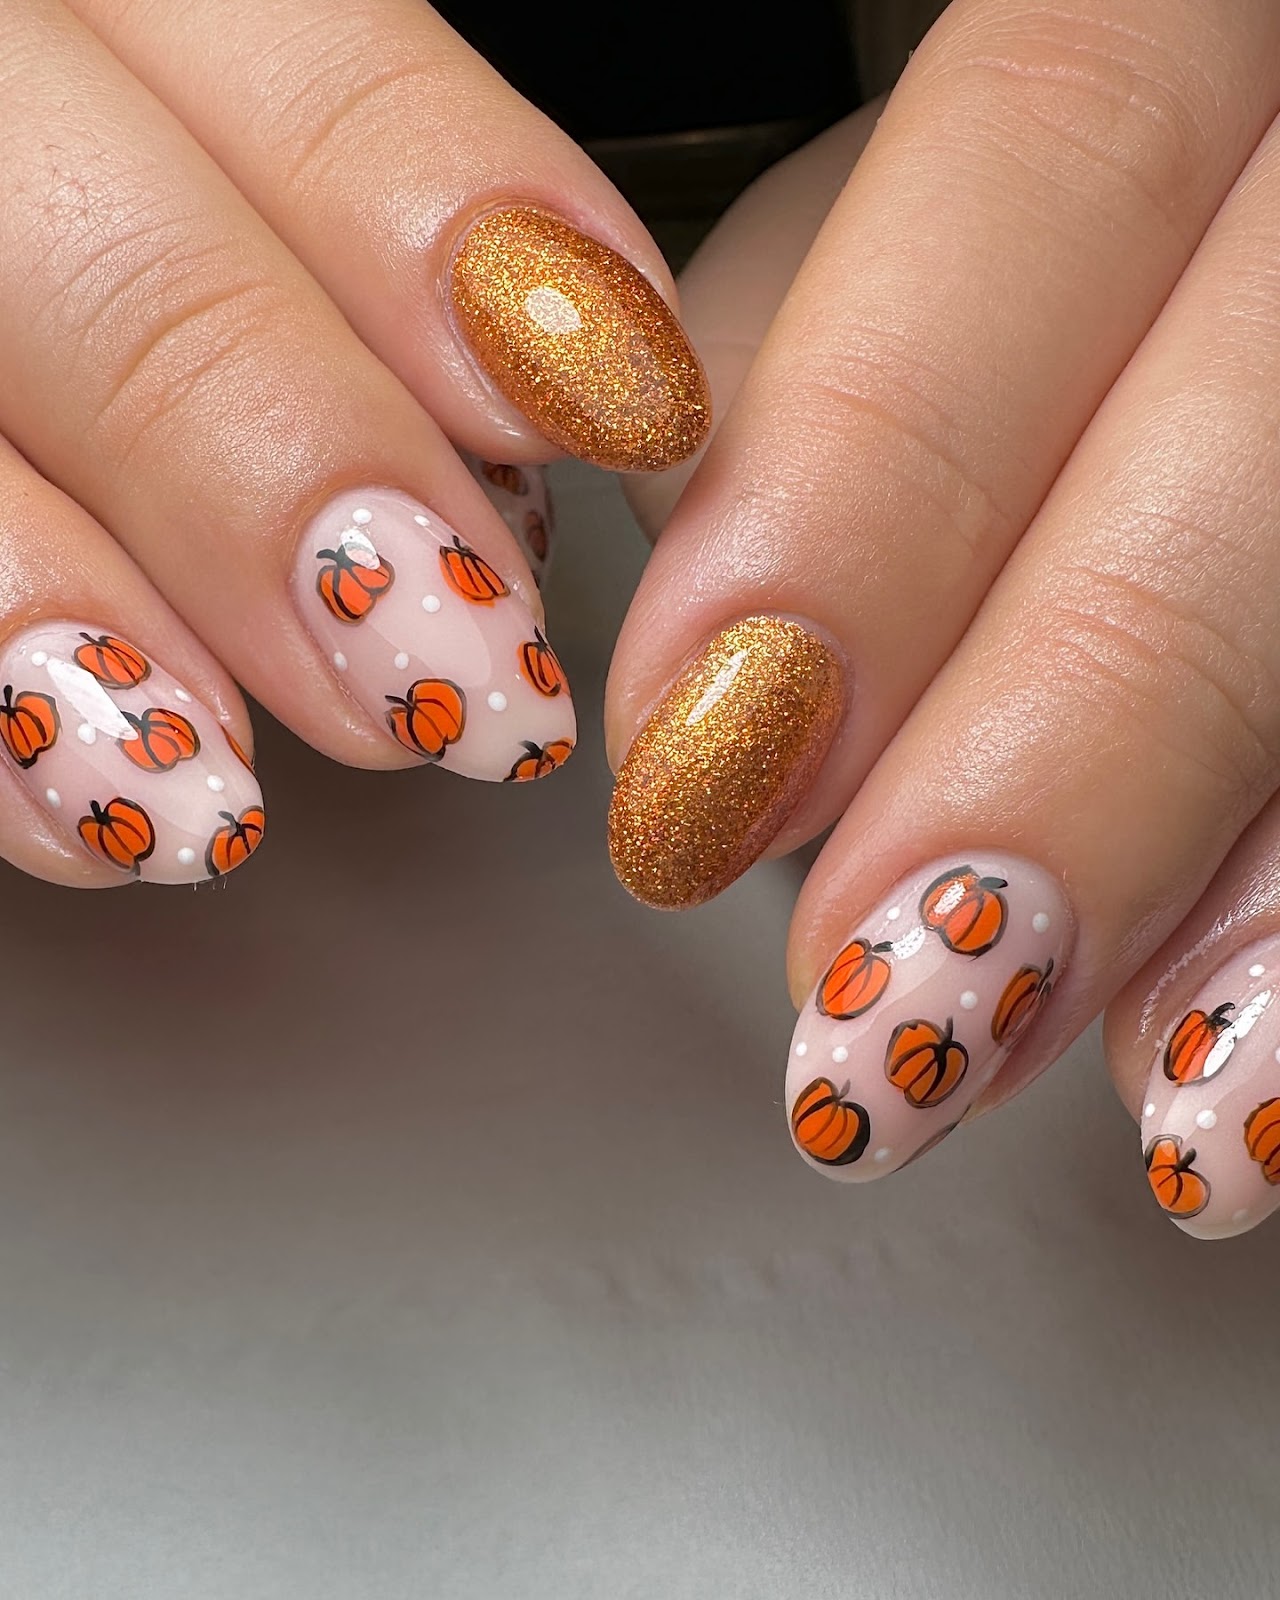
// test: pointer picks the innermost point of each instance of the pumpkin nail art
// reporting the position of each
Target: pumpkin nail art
(521, 498)
(430, 639)
(126, 761)
(1211, 1116)
(919, 1008)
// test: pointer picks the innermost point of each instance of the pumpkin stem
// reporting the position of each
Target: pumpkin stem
(993, 883)
(1222, 1016)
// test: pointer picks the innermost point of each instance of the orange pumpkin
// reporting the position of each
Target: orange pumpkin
(504, 476)
(233, 844)
(119, 833)
(349, 589)
(855, 980)
(540, 667)
(470, 575)
(535, 535)
(1019, 1005)
(115, 664)
(1262, 1138)
(827, 1127)
(1186, 1056)
(925, 1062)
(1181, 1190)
(429, 718)
(163, 738)
(966, 911)
(539, 760)
(29, 724)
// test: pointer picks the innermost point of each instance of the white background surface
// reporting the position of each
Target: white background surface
(414, 1219)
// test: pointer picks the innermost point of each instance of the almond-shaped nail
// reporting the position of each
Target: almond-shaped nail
(1211, 1117)
(723, 761)
(430, 639)
(522, 499)
(578, 340)
(919, 1009)
(123, 758)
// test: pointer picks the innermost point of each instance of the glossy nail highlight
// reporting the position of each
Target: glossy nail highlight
(919, 1010)
(1211, 1118)
(723, 761)
(126, 761)
(579, 341)
(431, 640)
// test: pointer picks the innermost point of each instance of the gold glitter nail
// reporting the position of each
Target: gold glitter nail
(580, 341)
(723, 761)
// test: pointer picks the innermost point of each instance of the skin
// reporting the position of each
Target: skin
(1006, 436)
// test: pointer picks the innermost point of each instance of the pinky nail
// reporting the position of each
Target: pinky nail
(521, 498)
(127, 762)
(919, 1009)
(1211, 1115)
(431, 640)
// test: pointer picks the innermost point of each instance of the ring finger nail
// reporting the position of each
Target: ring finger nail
(580, 341)
(1211, 1119)
(723, 760)
(430, 640)
(124, 758)
(918, 1011)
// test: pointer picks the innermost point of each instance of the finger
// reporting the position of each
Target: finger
(1112, 714)
(173, 368)
(115, 768)
(1035, 173)
(1193, 1043)
(741, 273)
(470, 243)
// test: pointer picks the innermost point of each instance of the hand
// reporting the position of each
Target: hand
(256, 262)
(982, 565)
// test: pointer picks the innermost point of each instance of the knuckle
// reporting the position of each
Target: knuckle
(876, 400)
(1165, 680)
(1076, 95)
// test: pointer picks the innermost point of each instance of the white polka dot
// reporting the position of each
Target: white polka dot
(339, 661)
(402, 660)
(893, 913)
(1149, 1110)
(840, 1055)
(497, 701)
(183, 696)
(802, 1049)
(883, 1153)
(39, 658)
(53, 797)
(86, 733)
(1256, 970)
(431, 602)
(1240, 1216)
(1278, 1055)
(1206, 1119)
(216, 783)
(420, 519)
(969, 1000)
(186, 855)
(1040, 922)
(361, 516)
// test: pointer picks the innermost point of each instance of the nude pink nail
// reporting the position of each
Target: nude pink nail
(1211, 1118)
(521, 498)
(919, 1010)
(431, 640)
(129, 763)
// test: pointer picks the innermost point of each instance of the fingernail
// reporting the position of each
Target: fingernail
(1211, 1118)
(579, 341)
(723, 761)
(430, 640)
(920, 1008)
(123, 758)
(521, 498)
